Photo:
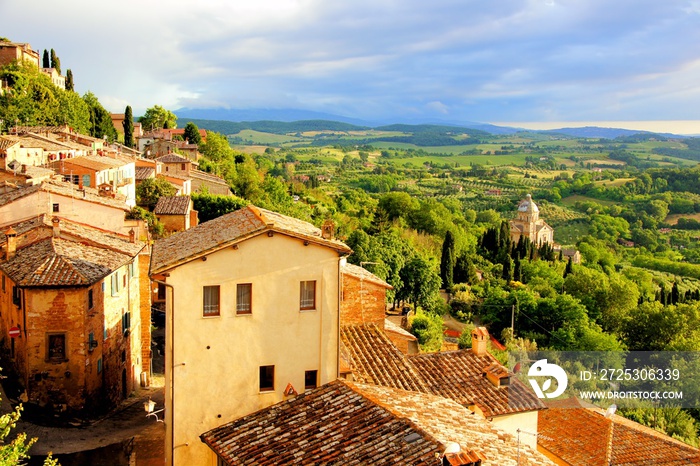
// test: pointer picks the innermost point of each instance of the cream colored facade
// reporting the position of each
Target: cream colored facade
(522, 426)
(528, 224)
(75, 208)
(214, 374)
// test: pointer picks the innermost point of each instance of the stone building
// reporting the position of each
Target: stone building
(70, 313)
(176, 213)
(528, 224)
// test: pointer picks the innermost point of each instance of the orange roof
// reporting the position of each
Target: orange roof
(584, 436)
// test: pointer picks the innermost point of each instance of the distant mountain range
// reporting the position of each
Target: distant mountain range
(231, 121)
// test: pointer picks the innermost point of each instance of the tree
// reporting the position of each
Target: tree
(569, 267)
(45, 63)
(55, 62)
(69, 80)
(101, 125)
(152, 189)
(192, 135)
(158, 117)
(421, 283)
(128, 125)
(447, 261)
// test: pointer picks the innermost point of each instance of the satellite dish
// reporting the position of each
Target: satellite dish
(611, 410)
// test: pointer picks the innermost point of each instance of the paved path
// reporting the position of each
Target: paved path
(127, 421)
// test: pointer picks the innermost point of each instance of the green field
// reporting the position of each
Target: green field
(572, 200)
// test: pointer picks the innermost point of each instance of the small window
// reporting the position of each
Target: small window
(91, 300)
(99, 365)
(115, 284)
(124, 280)
(308, 295)
(244, 298)
(17, 296)
(211, 301)
(56, 207)
(310, 379)
(126, 323)
(267, 378)
(56, 347)
(182, 166)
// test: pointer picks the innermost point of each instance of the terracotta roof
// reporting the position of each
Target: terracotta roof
(92, 162)
(581, 436)
(77, 232)
(59, 262)
(8, 141)
(206, 177)
(173, 205)
(344, 423)
(142, 173)
(364, 274)
(331, 424)
(374, 359)
(173, 158)
(448, 421)
(30, 140)
(389, 326)
(231, 228)
(63, 188)
(459, 375)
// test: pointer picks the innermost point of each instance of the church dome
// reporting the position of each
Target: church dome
(528, 205)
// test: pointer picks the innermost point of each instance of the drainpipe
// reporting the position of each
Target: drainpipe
(172, 365)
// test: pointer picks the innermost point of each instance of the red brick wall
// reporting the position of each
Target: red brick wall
(145, 304)
(363, 302)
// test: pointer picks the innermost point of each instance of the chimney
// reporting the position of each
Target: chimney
(132, 236)
(480, 336)
(56, 222)
(497, 375)
(11, 236)
(328, 229)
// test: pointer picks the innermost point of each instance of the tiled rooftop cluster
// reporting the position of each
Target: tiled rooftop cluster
(458, 375)
(344, 423)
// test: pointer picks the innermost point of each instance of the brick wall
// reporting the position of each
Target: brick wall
(145, 305)
(363, 302)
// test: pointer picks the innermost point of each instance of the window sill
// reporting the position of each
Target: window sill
(267, 392)
(244, 314)
(308, 310)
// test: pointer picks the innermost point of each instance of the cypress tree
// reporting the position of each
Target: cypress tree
(517, 273)
(507, 269)
(447, 261)
(128, 125)
(45, 63)
(55, 62)
(569, 268)
(69, 80)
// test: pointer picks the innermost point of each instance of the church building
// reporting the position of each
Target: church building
(529, 224)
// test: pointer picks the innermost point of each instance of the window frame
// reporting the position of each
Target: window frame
(51, 338)
(211, 312)
(239, 288)
(304, 304)
(264, 375)
(91, 299)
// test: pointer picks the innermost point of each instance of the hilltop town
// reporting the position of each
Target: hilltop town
(291, 299)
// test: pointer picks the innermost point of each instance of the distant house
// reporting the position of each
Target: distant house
(68, 201)
(13, 51)
(71, 295)
(176, 213)
(96, 171)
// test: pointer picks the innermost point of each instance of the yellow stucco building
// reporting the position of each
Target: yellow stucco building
(252, 309)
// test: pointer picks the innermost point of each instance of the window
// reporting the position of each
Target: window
(310, 379)
(124, 280)
(3, 283)
(211, 301)
(91, 300)
(182, 166)
(267, 378)
(99, 365)
(56, 347)
(17, 296)
(115, 284)
(244, 298)
(126, 323)
(56, 207)
(308, 295)
(92, 343)
(86, 181)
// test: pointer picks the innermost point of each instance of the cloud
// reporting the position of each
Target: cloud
(461, 59)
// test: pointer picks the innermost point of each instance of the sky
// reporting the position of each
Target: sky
(537, 61)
